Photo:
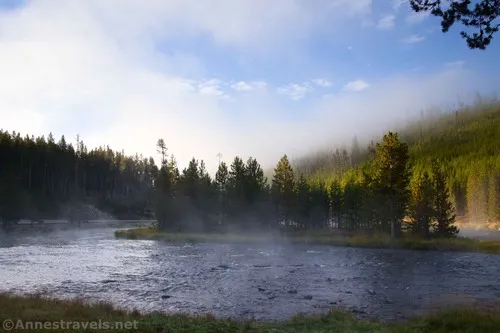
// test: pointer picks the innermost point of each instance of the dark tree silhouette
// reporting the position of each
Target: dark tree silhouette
(42, 179)
(443, 209)
(422, 210)
(392, 177)
(481, 17)
(391, 181)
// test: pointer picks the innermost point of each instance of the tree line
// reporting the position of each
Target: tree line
(44, 179)
(414, 181)
(464, 140)
(240, 198)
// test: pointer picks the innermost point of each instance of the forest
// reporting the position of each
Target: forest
(438, 168)
(44, 179)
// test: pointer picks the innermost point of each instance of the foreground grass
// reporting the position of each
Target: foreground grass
(323, 238)
(21, 310)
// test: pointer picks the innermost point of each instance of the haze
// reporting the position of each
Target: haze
(256, 78)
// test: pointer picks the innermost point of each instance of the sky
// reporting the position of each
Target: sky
(237, 77)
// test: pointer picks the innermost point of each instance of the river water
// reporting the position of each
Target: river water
(240, 281)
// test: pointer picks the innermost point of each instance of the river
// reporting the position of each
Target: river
(240, 281)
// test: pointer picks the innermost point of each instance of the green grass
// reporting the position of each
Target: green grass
(321, 238)
(24, 309)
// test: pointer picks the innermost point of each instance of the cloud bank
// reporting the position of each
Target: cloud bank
(98, 69)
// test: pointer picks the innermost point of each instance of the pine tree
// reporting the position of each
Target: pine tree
(283, 190)
(172, 165)
(421, 210)
(221, 176)
(371, 214)
(255, 181)
(205, 187)
(443, 209)
(351, 208)
(190, 180)
(303, 202)
(161, 148)
(221, 181)
(336, 201)
(236, 187)
(254, 187)
(166, 207)
(320, 205)
(391, 178)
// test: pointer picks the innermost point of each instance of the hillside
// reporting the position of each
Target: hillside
(44, 179)
(466, 142)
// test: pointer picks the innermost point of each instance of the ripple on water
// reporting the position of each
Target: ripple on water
(265, 282)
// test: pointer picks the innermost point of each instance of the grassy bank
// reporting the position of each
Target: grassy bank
(20, 310)
(323, 238)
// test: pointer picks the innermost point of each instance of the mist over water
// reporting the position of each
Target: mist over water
(265, 282)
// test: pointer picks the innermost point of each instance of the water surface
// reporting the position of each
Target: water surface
(240, 281)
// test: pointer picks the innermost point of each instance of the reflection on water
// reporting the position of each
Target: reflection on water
(264, 282)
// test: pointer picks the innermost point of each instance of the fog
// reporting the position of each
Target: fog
(84, 71)
(265, 282)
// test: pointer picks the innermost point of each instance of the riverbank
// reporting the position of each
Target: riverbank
(321, 238)
(36, 310)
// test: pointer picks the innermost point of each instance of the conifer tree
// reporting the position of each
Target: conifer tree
(352, 203)
(320, 205)
(236, 187)
(166, 202)
(421, 210)
(255, 182)
(443, 209)
(221, 181)
(283, 190)
(391, 179)
(336, 201)
(161, 148)
(481, 16)
(303, 200)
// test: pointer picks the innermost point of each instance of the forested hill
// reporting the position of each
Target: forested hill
(466, 142)
(347, 188)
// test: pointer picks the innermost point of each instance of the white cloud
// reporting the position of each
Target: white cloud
(93, 68)
(416, 17)
(386, 22)
(322, 82)
(241, 86)
(211, 87)
(413, 39)
(296, 91)
(248, 86)
(357, 85)
(242, 24)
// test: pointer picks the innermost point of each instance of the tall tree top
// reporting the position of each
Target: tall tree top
(481, 16)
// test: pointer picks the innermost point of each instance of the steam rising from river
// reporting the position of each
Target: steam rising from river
(240, 281)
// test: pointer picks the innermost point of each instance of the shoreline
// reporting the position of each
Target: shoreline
(36, 308)
(459, 244)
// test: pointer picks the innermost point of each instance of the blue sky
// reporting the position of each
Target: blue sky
(390, 41)
(247, 77)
